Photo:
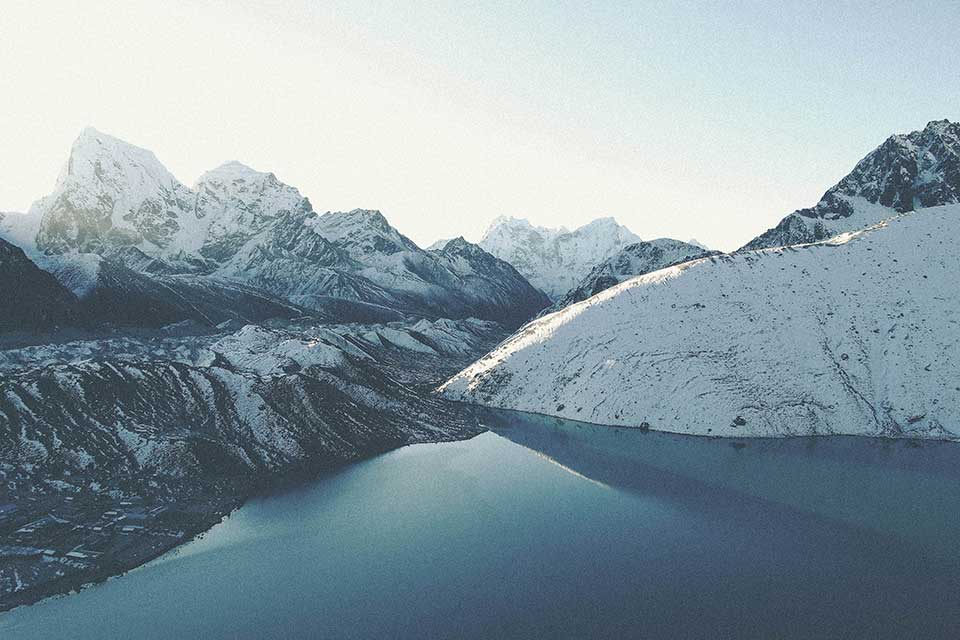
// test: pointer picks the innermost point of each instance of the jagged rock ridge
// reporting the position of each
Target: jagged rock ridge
(906, 172)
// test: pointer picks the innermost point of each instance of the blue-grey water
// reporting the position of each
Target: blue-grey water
(545, 528)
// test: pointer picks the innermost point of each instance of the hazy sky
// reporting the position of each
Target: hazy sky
(709, 120)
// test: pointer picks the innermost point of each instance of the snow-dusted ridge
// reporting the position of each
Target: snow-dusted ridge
(908, 171)
(859, 334)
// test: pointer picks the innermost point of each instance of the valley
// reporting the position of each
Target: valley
(170, 353)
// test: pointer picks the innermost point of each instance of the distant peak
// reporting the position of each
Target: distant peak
(371, 215)
(236, 165)
(457, 243)
(95, 153)
(89, 132)
(606, 222)
(232, 170)
(938, 126)
(90, 136)
(509, 221)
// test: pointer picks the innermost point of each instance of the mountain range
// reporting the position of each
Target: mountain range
(839, 320)
(226, 336)
(853, 335)
(555, 260)
(116, 215)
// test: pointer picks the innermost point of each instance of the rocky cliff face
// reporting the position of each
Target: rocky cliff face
(908, 171)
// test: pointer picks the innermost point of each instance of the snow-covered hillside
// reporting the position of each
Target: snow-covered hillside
(555, 260)
(908, 171)
(859, 334)
(631, 261)
(259, 399)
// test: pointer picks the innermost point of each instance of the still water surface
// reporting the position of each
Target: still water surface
(546, 528)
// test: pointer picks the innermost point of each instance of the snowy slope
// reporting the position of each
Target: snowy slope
(555, 260)
(908, 171)
(855, 335)
(631, 261)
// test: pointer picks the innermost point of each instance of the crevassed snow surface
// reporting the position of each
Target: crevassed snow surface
(855, 335)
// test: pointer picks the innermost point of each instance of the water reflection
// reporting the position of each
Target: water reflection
(547, 528)
(906, 489)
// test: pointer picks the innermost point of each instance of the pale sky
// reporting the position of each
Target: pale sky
(707, 120)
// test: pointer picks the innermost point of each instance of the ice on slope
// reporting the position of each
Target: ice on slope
(855, 335)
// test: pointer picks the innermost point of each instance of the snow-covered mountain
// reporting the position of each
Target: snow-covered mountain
(631, 261)
(859, 334)
(111, 194)
(908, 171)
(555, 260)
(32, 298)
(490, 284)
(117, 202)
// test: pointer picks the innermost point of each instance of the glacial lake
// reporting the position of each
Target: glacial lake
(546, 528)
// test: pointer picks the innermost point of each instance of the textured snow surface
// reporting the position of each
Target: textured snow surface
(855, 335)
(555, 260)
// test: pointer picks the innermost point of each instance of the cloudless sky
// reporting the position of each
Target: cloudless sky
(701, 119)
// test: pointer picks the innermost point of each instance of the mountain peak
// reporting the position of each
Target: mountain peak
(232, 170)
(98, 157)
(555, 260)
(362, 232)
(459, 244)
(920, 169)
(110, 193)
(939, 126)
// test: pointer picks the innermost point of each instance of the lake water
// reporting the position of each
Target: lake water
(545, 528)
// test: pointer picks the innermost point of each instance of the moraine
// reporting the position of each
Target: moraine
(562, 529)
